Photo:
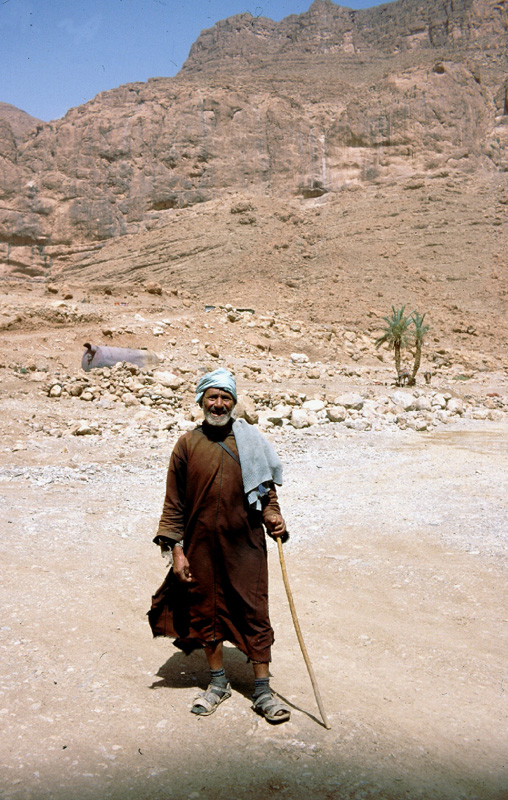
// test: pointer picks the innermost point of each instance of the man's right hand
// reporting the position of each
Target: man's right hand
(181, 567)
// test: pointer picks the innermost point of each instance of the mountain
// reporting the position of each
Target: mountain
(303, 108)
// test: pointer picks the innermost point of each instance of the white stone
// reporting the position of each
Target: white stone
(168, 379)
(336, 413)
(350, 400)
(84, 428)
(129, 399)
(158, 331)
(264, 418)
(299, 418)
(314, 405)
(55, 390)
(422, 403)
(283, 411)
(455, 405)
(299, 358)
(439, 400)
(403, 399)
(357, 424)
(185, 424)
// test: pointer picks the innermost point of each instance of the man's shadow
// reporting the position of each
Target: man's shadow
(191, 671)
(182, 671)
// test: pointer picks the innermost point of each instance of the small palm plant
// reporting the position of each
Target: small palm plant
(396, 333)
(419, 333)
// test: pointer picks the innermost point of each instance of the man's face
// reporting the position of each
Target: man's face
(217, 406)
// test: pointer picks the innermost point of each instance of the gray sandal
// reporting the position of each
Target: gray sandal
(271, 708)
(206, 702)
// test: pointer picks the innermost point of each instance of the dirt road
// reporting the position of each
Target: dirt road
(397, 560)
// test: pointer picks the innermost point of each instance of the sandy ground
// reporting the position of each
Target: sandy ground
(397, 562)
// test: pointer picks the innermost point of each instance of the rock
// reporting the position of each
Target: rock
(422, 403)
(246, 409)
(168, 379)
(166, 392)
(153, 288)
(158, 331)
(87, 396)
(314, 405)
(349, 400)
(455, 405)
(439, 400)
(314, 373)
(264, 418)
(212, 350)
(357, 424)
(129, 399)
(283, 411)
(299, 358)
(404, 400)
(84, 428)
(336, 413)
(185, 424)
(300, 418)
(55, 390)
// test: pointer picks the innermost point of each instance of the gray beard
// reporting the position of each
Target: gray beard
(217, 422)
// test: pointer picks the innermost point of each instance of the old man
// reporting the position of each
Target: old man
(220, 493)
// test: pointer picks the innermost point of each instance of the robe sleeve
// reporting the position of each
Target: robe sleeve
(172, 523)
(271, 504)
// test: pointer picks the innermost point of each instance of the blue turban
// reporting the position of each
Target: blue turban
(218, 379)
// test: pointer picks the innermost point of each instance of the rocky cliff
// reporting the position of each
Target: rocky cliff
(304, 107)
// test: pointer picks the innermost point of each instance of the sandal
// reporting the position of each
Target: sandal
(206, 702)
(271, 708)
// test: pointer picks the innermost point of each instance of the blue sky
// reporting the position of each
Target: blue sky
(56, 54)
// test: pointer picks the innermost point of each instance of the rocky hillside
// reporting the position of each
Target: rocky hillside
(307, 107)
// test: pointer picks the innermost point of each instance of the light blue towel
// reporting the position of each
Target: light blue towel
(259, 462)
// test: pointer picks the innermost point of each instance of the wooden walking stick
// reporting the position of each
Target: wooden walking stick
(299, 635)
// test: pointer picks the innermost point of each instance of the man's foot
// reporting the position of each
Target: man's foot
(206, 702)
(269, 706)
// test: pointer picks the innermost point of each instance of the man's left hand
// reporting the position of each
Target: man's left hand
(276, 525)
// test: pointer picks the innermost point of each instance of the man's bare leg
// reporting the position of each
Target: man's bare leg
(214, 655)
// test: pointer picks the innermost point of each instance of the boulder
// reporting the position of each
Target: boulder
(299, 358)
(336, 413)
(404, 400)
(422, 403)
(246, 409)
(300, 418)
(455, 405)
(350, 400)
(168, 379)
(314, 405)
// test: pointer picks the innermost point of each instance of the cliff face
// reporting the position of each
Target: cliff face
(301, 107)
(395, 29)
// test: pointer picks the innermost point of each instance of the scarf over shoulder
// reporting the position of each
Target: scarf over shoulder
(259, 462)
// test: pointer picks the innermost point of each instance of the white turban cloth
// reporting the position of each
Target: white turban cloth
(218, 379)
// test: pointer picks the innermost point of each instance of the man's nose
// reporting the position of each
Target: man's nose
(219, 402)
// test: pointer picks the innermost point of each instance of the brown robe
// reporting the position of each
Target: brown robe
(224, 541)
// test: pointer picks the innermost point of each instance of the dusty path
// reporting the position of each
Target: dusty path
(398, 564)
